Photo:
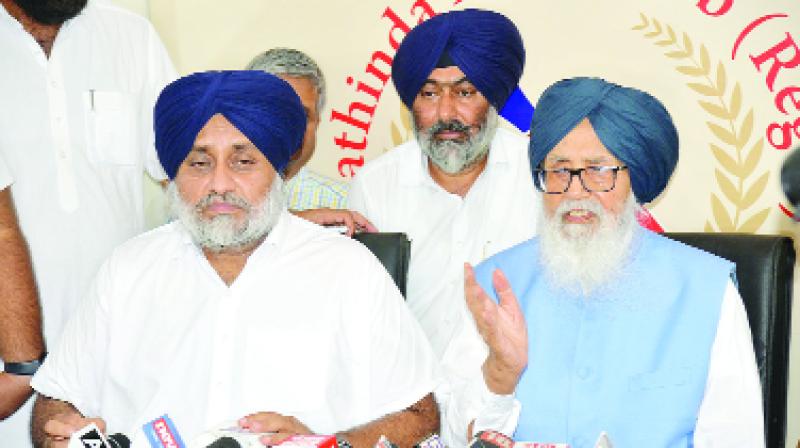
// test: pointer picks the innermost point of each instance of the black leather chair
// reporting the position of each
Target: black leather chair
(764, 271)
(393, 250)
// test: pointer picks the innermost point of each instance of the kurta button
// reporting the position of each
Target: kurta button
(584, 372)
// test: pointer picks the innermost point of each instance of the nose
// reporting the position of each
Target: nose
(447, 107)
(221, 180)
(576, 190)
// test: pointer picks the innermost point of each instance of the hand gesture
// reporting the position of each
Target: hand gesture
(281, 425)
(502, 326)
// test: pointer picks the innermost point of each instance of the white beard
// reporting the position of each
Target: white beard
(454, 157)
(583, 258)
(225, 232)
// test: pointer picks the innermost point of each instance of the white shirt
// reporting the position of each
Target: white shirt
(160, 333)
(730, 415)
(76, 134)
(5, 176)
(397, 193)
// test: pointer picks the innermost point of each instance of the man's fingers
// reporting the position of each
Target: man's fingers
(58, 429)
(362, 222)
(505, 294)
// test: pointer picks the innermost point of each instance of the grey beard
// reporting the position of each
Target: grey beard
(584, 258)
(223, 233)
(455, 157)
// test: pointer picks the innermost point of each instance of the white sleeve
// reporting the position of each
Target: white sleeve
(356, 197)
(160, 72)
(395, 352)
(731, 412)
(463, 396)
(74, 368)
(5, 175)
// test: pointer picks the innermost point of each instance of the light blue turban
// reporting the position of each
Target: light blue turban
(633, 125)
(261, 106)
(485, 45)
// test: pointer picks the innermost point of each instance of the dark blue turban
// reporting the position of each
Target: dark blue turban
(485, 45)
(261, 106)
(790, 177)
(633, 125)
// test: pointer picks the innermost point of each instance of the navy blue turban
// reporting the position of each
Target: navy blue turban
(633, 125)
(261, 106)
(485, 45)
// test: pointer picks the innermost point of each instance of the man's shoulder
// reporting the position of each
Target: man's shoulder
(307, 237)
(391, 161)
(682, 253)
(151, 245)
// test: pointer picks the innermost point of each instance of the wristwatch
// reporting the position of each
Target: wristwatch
(27, 368)
(343, 443)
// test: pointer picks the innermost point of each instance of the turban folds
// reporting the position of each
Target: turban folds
(263, 107)
(485, 45)
(633, 125)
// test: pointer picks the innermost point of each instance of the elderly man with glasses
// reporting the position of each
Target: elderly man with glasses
(598, 325)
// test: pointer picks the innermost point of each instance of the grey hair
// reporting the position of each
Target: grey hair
(292, 63)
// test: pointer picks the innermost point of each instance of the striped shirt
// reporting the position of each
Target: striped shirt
(307, 190)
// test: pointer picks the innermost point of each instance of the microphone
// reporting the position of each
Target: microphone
(161, 433)
(491, 439)
(225, 442)
(90, 436)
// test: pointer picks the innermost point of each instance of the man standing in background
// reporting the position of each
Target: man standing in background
(78, 80)
(305, 189)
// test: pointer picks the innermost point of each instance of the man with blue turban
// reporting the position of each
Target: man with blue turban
(212, 318)
(598, 325)
(460, 189)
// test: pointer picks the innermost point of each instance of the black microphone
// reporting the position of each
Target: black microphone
(90, 437)
(491, 439)
(225, 442)
(119, 441)
(790, 177)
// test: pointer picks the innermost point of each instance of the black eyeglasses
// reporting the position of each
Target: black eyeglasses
(598, 179)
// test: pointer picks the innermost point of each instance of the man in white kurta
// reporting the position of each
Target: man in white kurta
(76, 132)
(161, 333)
(213, 318)
(461, 190)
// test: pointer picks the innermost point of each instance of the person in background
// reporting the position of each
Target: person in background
(78, 81)
(461, 189)
(309, 195)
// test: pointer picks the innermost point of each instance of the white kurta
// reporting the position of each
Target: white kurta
(396, 193)
(76, 133)
(5, 175)
(313, 327)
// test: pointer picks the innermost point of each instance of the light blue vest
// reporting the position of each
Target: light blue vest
(631, 361)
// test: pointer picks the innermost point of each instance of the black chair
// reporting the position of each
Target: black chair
(393, 250)
(764, 271)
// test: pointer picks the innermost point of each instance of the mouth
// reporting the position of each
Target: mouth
(450, 135)
(221, 208)
(578, 216)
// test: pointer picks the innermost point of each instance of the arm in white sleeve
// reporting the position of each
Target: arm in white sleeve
(731, 412)
(464, 398)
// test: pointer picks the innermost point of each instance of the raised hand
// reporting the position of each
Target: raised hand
(502, 327)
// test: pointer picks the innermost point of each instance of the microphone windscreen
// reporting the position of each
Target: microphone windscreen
(225, 442)
(119, 441)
